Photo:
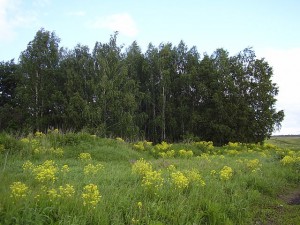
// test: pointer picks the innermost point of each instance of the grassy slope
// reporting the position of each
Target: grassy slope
(283, 213)
(247, 198)
(290, 142)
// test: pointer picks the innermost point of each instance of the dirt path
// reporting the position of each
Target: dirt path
(291, 197)
(285, 212)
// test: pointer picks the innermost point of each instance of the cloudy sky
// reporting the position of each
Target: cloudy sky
(271, 27)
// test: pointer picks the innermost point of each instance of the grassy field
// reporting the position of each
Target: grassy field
(82, 179)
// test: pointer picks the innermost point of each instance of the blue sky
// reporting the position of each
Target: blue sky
(271, 27)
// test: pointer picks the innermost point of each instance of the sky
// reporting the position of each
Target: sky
(270, 27)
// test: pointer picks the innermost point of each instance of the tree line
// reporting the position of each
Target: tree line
(167, 93)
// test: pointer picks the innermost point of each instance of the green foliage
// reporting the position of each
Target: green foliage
(10, 145)
(167, 93)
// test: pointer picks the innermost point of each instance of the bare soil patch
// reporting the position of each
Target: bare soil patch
(292, 197)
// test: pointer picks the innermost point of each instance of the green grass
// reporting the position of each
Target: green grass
(245, 198)
(291, 142)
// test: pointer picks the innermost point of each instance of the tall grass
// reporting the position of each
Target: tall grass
(258, 177)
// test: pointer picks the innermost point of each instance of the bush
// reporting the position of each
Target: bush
(10, 144)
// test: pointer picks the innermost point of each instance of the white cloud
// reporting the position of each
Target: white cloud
(6, 32)
(12, 17)
(76, 13)
(40, 3)
(117, 22)
(286, 68)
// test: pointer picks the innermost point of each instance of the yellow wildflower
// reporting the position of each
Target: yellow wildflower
(140, 205)
(163, 146)
(205, 156)
(18, 190)
(288, 160)
(167, 154)
(57, 151)
(194, 176)
(134, 221)
(213, 172)
(27, 166)
(25, 140)
(141, 167)
(226, 173)
(171, 168)
(53, 194)
(85, 156)
(91, 169)
(67, 191)
(39, 134)
(153, 180)
(46, 172)
(253, 165)
(65, 169)
(179, 180)
(120, 139)
(90, 195)
(139, 146)
(186, 153)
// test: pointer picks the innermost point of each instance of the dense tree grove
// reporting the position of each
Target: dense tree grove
(167, 93)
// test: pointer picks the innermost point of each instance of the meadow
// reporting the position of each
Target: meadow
(78, 178)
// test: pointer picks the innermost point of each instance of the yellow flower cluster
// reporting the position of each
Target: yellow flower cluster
(46, 171)
(39, 150)
(120, 139)
(213, 172)
(28, 166)
(141, 167)
(163, 146)
(39, 134)
(153, 180)
(57, 151)
(135, 221)
(52, 194)
(142, 145)
(270, 146)
(90, 195)
(91, 169)
(171, 168)
(167, 154)
(18, 190)
(226, 173)
(34, 143)
(66, 191)
(25, 140)
(253, 165)
(54, 151)
(205, 146)
(287, 160)
(233, 144)
(204, 156)
(139, 146)
(232, 152)
(140, 205)
(85, 156)
(194, 177)
(179, 180)
(186, 153)
(65, 169)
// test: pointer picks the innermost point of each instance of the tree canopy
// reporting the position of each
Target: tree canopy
(167, 93)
